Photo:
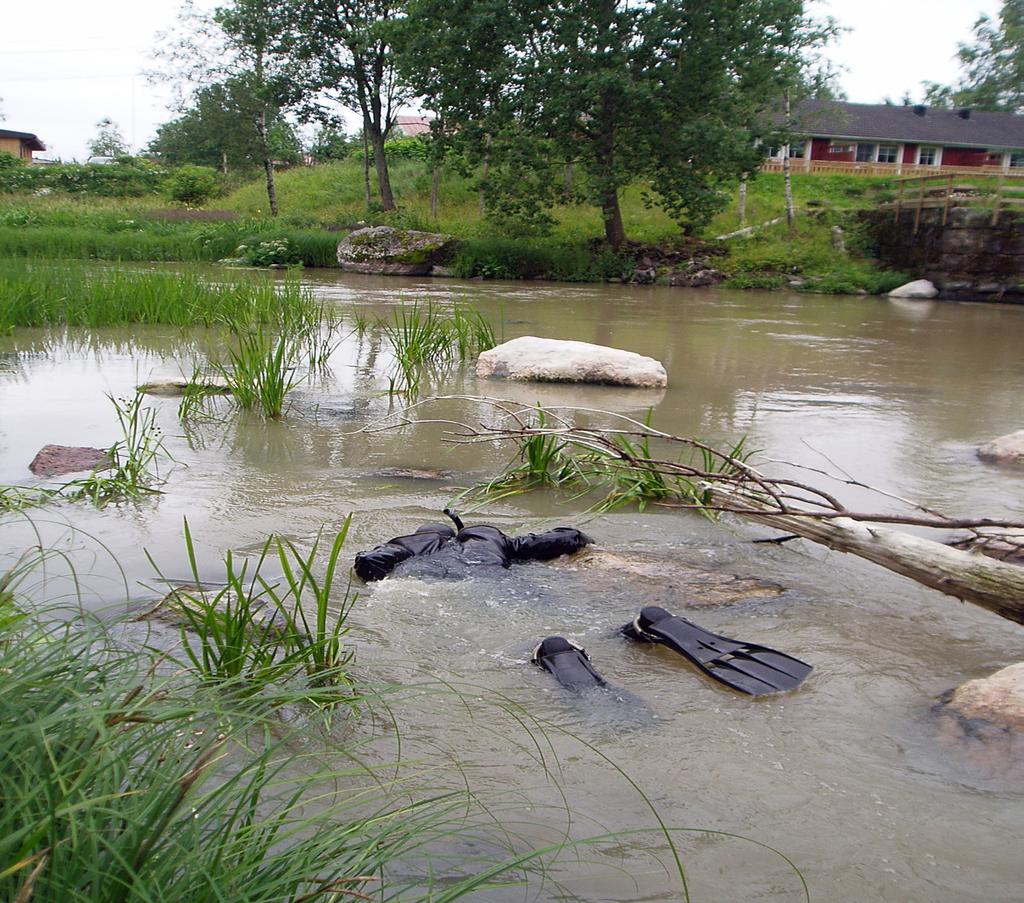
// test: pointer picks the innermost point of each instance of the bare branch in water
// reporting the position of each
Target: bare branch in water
(553, 449)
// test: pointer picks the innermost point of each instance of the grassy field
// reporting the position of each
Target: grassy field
(319, 202)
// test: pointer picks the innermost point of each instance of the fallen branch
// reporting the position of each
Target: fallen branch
(556, 452)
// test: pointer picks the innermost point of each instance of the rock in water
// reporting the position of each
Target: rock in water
(552, 360)
(919, 288)
(1008, 449)
(178, 386)
(386, 251)
(996, 700)
(56, 460)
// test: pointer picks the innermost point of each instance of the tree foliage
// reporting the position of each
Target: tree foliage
(217, 130)
(242, 46)
(992, 65)
(109, 140)
(345, 51)
(668, 92)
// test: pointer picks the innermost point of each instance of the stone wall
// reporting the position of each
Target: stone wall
(968, 258)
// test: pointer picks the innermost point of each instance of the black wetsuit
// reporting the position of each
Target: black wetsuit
(482, 545)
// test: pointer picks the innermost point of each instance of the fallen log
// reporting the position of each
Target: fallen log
(968, 576)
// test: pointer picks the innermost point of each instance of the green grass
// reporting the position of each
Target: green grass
(42, 294)
(317, 199)
(776, 256)
(423, 337)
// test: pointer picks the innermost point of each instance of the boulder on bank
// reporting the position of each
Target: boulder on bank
(1008, 449)
(57, 460)
(997, 700)
(386, 251)
(919, 288)
(552, 360)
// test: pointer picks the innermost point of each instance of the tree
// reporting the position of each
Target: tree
(242, 46)
(109, 141)
(667, 91)
(993, 66)
(216, 130)
(345, 47)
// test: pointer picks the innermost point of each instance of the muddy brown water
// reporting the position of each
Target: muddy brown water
(853, 778)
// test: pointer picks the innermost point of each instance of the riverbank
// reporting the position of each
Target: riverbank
(320, 204)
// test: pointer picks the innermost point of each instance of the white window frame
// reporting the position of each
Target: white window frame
(1015, 160)
(895, 151)
(936, 155)
(872, 155)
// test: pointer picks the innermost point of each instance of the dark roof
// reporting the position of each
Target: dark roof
(838, 119)
(31, 140)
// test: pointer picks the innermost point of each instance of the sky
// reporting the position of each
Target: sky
(66, 64)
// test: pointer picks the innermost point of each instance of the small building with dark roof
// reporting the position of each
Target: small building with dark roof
(20, 144)
(904, 137)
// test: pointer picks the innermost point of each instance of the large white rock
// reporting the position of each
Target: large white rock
(1008, 449)
(556, 361)
(919, 288)
(997, 699)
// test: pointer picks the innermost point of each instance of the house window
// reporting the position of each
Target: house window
(774, 152)
(796, 149)
(865, 153)
(1017, 159)
(840, 148)
(888, 153)
(928, 156)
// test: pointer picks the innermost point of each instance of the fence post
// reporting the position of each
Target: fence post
(999, 198)
(945, 205)
(920, 204)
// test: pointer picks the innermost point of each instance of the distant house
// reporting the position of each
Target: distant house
(884, 137)
(20, 144)
(412, 126)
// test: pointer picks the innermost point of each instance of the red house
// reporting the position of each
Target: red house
(880, 137)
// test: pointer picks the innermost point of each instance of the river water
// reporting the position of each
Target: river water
(855, 777)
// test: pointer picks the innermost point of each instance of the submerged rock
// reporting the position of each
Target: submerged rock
(412, 473)
(55, 460)
(384, 250)
(664, 581)
(177, 386)
(1008, 449)
(996, 701)
(552, 360)
(919, 288)
(265, 616)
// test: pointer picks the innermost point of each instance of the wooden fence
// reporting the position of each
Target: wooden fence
(999, 192)
(828, 167)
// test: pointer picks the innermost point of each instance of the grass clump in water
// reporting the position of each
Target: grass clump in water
(253, 630)
(37, 294)
(423, 337)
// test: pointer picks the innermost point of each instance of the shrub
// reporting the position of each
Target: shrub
(274, 252)
(191, 185)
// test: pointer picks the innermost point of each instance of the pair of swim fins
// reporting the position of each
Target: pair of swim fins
(746, 667)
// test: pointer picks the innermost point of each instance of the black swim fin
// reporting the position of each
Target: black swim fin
(569, 663)
(746, 667)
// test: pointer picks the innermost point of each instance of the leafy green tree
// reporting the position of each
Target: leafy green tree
(669, 92)
(330, 143)
(992, 66)
(216, 130)
(109, 141)
(242, 46)
(345, 49)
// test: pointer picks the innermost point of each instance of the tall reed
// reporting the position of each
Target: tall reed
(38, 294)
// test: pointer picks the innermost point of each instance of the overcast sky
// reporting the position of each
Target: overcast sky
(65, 64)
